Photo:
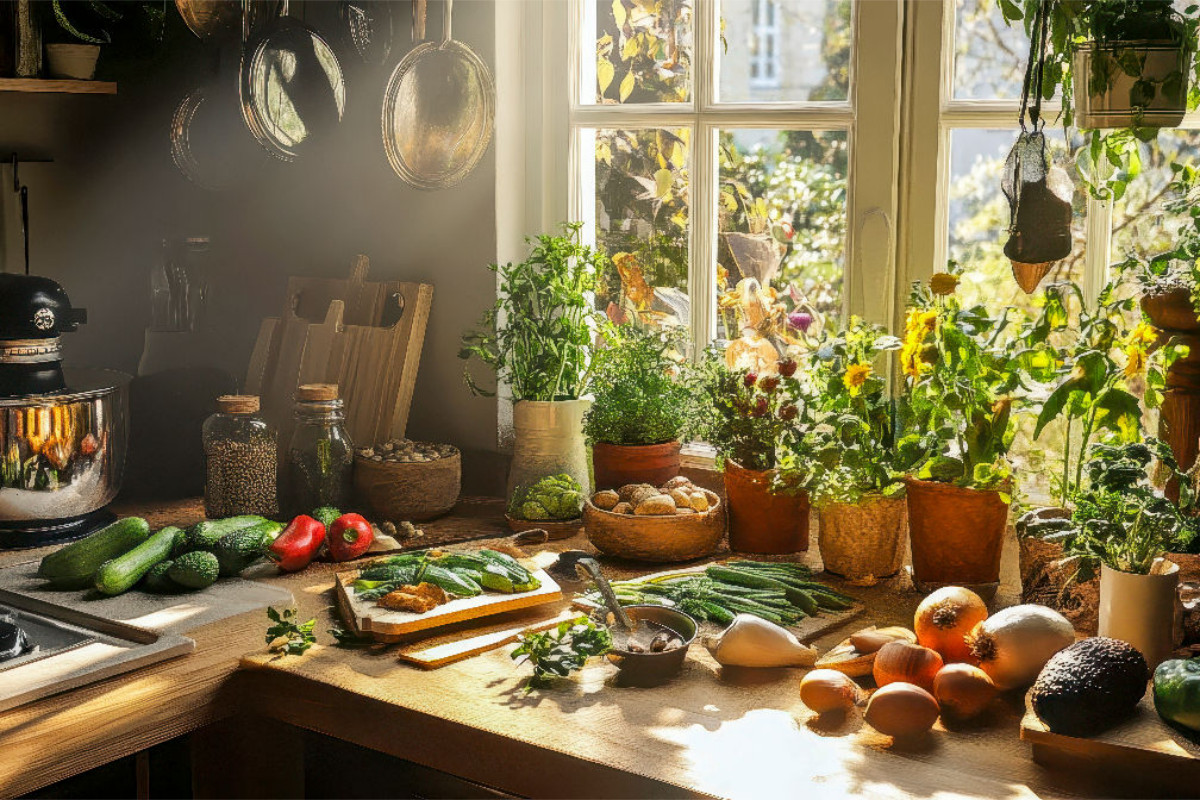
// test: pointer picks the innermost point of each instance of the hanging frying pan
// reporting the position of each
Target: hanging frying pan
(368, 26)
(293, 92)
(215, 19)
(438, 112)
(208, 141)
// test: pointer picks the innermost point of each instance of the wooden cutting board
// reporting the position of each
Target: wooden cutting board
(386, 625)
(1168, 760)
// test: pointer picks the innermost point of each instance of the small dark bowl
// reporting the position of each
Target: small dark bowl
(647, 669)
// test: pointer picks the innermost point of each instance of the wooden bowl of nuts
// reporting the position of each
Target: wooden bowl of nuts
(406, 480)
(674, 522)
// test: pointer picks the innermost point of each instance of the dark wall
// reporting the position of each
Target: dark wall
(112, 192)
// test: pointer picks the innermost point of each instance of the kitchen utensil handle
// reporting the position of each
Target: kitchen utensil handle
(447, 18)
(25, 223)
(419, 8)
(589, 568)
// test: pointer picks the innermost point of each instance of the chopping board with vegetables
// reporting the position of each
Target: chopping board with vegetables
(400, 595)
(782, 593)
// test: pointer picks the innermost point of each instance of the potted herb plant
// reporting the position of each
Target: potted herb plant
(639, 406)
(75, 32)
(847, 458)
(1124, 65)
(537, 339)
(957, 405)
(749, 418)
(1125, 528)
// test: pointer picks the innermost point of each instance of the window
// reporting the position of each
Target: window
(726, 149)
(764, 46)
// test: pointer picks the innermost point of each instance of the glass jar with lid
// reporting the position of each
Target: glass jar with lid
(240, 460)
(320, 457)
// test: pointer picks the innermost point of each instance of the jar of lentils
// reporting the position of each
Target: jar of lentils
(320, 457)
(240, 460)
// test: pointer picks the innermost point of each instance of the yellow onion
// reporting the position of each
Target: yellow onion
(963, 690)
(825, 690)
(903, 662)
(901, 709)
(945, 618)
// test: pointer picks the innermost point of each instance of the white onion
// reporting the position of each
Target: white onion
(1014, 644)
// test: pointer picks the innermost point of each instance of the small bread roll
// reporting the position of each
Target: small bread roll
(678, 482)
(622, 508)
(698, 501)
(626, 491)
(605, 499)
(656, 505)
(643, 494)
(682, 499)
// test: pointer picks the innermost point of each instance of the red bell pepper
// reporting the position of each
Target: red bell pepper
(298, 545)
(349, 537)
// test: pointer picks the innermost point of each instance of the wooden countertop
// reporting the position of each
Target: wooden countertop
(709, 732)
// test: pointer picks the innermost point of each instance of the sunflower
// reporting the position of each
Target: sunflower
(1136, 347)
(856, 375)
(943, 283)
(917, 326)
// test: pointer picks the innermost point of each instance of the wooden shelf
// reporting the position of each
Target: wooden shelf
(61, 87)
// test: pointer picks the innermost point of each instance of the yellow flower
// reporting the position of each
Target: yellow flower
(920, 323)
(910, 359)
(1135, 360)
(1143, 334)
(856, 375)
(943, 283)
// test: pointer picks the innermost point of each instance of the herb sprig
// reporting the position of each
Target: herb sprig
(561, 650)
(286, 636)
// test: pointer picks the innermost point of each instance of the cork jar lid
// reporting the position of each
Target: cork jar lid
(317, 392)
(238, 404)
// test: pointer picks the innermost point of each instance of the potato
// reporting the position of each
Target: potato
(605, 499)
(656, 505)
(622, 508)
(626, 491)
(682, 499)
(642, 495)
(678, 482)
(698, 501)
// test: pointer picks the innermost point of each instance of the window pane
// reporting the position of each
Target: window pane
(978, 217)
(642, 211)
(1141, 225)
(989, 56)
(643, 51)
(782, 223)
(784, 50)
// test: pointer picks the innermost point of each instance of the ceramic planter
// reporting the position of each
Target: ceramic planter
(864, 541)
(1107, 97)
(956, 534)
(759, 521)
(72, 61)
(548, 440)
(1143, 610)
(614, 465)
(1171, 311)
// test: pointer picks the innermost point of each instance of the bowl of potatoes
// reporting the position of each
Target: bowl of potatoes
(677, 521)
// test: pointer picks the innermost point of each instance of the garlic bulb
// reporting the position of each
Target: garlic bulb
(750, 641)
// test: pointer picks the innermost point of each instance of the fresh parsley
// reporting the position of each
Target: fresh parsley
(286, 636)
(561, 650)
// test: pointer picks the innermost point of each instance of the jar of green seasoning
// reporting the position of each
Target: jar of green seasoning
(240, 460)
(320, 456)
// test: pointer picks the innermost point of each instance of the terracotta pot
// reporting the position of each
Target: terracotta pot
(865, 540)
(614, 465)
(1171, 311)
(1106, 95)
(957, 534)
(1143, 610)
(72, 61)
(759, 521)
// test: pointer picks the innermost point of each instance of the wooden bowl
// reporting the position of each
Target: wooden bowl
(679, 537)
(414, 491)
(554, 528)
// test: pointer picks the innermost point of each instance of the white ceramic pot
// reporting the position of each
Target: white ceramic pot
(1105, 96)
(1143, 610)
(72, 61)
(548, 440)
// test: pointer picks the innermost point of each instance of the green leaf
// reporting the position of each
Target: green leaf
(1118, 410)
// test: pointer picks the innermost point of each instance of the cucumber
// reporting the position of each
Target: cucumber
(74, 566)
(205, 535)
(238, 550)
(118, 575)
(158, 581)
(452, 583)
(198, 569)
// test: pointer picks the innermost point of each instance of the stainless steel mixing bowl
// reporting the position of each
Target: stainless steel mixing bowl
(62, 455)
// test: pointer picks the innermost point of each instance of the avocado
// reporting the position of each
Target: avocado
(198, 569)
(1089, 686)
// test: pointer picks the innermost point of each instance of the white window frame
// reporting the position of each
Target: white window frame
(543, 135)
(766, 59)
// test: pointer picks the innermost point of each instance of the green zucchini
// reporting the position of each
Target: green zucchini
(74, 566)
(118, 575)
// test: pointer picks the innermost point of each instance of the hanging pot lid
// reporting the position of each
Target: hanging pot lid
(293, 92)
(438, 112)
(369, 28)
(216, 19)
(202, 146)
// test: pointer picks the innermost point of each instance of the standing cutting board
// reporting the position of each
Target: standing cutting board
(364, 336)
(1143, 744)
(386, 625)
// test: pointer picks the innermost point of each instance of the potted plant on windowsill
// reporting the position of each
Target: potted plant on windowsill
(640, 406)
(959, 386)
(75, 32)
(846, 462)
(537, 339)
(749, 418)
